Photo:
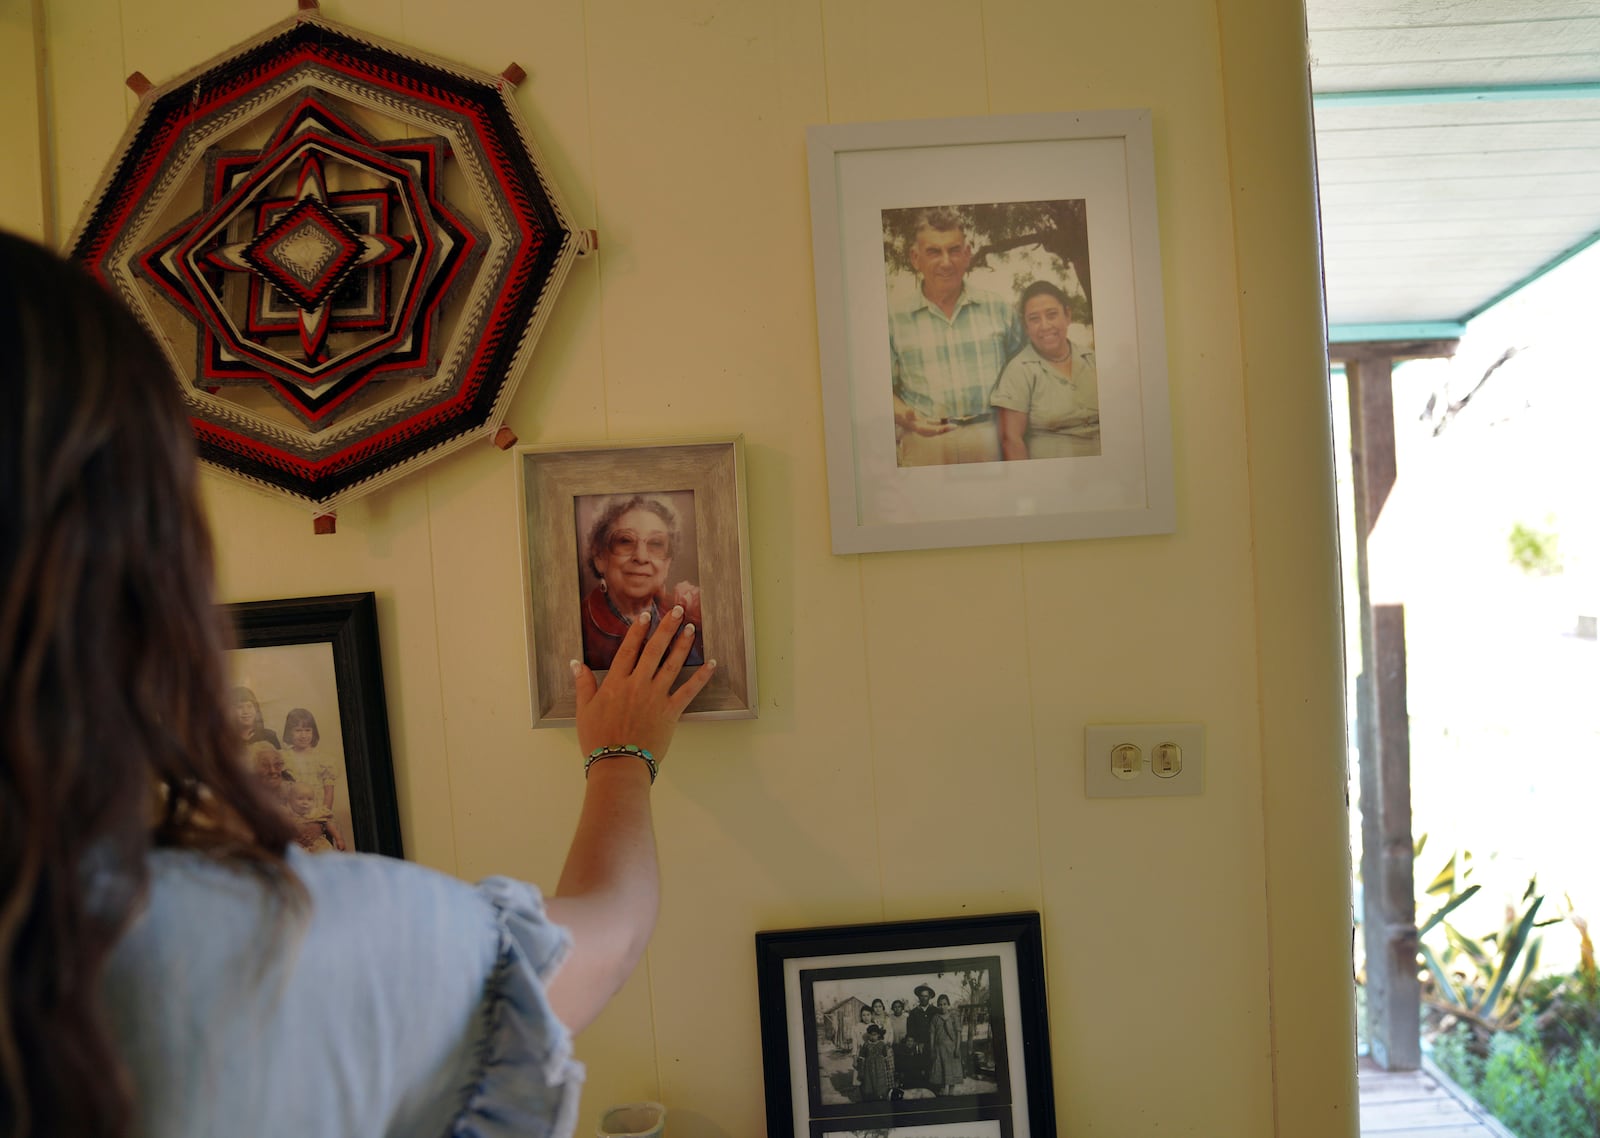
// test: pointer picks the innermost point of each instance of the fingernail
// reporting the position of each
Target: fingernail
(644, 617)
(711, 663)
(573, 664)
(677, 610)
(688, 630)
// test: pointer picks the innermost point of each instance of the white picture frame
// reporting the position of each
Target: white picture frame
(1095, 166)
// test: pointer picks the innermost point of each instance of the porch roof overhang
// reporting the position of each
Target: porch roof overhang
(1458, 152)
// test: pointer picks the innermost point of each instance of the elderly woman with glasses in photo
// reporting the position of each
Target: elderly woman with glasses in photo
(631, 547)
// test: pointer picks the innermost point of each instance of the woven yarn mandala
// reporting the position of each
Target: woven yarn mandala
(347, 250)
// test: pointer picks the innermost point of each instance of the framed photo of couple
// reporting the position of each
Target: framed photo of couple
(612, 532)
(989, 318)
(913, 1029)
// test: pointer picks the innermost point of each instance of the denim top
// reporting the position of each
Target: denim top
(405, 1004)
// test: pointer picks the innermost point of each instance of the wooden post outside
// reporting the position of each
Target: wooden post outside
(1388, 903)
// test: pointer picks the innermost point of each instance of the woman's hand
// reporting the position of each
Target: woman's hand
(636, 704)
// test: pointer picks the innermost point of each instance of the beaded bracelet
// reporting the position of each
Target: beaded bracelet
(617, 751)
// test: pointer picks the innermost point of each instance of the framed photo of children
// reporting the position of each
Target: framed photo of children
(613, 532)
(914, 1029)
(989, 316)
(307, 694)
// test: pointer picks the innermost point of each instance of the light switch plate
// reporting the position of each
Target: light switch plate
(1100, 779)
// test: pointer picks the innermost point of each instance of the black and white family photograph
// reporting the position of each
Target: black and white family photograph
(991, 332)
(637, 553)
(978, 1124)
(285, 701)
(901, 1036)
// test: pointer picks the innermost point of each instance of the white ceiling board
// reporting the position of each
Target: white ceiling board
(1463, 138)
(1431, 209)
(1439, 44)
(1486, 239)
(1459, 167)
(1386, 227)
(1338, 14)
(1334, 116)
(1503, 71)
(1513, 189)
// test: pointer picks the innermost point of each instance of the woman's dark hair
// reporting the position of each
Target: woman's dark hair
(1044, 288)
(300, 717)
(600, 532)
(115, 734)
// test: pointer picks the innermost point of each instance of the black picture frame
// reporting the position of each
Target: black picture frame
(348, 623)
(813, 983)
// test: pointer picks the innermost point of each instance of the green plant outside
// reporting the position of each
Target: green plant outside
(1534, 1066)
(1535, 1093)
(1485, 979)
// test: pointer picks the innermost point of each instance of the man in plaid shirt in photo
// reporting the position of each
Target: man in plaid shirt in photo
(946, 350)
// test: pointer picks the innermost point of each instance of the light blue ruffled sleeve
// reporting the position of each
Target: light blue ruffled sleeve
(524, 1082)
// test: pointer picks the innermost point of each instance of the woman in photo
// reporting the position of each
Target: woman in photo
(630, 548)
(1048, 396)
(944, 1062)
(265, 759)
(881, 1017)
(168, 947)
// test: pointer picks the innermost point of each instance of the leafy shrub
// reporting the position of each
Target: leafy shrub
(1542, 1078)
(1484, 980)
(1536, 1095)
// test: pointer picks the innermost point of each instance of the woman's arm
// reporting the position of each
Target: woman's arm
(1013, 428)
(609, 892)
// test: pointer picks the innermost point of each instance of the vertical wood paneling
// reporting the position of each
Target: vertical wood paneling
(1114, 632)
(88, 103)
(919, 746)
(1295, 558)
(23, 186)
(904, 59)
(698, 113)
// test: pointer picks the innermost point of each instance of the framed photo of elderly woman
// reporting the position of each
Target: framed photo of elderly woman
(990, 322)
(307, 694)
(910, 1028)
(611, 533)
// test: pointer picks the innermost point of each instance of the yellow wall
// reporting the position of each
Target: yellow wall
(918, 749)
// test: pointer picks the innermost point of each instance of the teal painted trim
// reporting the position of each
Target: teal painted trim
(1402, 96)
(1548, 267)
(1362, 333)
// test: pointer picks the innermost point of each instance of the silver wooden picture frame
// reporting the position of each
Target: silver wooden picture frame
(692, 494)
